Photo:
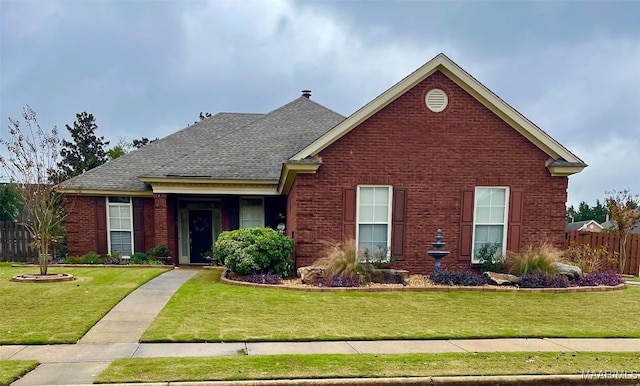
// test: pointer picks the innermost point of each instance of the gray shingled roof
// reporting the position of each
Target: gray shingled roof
(224, 146)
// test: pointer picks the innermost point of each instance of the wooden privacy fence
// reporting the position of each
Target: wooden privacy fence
(612, 242)
(15, 242)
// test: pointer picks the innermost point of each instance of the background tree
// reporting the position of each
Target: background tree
(119, 149)
(11, 204)
(138, 143)
(31, 160)
(598, 212)
(624, 212)
(84, 152)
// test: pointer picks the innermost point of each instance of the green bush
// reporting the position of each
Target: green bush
(72, 260)
(489, 258)
(87, 258)
(255, 251)
(158, 251)
(138, 258)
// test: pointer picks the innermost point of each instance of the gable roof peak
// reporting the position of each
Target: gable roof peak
(441, 62)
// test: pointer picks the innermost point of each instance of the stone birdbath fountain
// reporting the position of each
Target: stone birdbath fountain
(437, 254)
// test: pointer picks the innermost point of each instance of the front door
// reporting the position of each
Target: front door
(200, 234)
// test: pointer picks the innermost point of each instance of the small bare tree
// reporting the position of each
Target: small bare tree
(31, 160)
(624, 212)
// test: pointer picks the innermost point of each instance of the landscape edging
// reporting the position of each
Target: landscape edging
(442, 288)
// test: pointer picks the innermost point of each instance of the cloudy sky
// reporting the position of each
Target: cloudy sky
(148, 68)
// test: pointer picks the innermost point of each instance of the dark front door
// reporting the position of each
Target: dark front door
(200, 233)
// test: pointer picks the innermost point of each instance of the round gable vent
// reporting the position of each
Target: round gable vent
(437, 100)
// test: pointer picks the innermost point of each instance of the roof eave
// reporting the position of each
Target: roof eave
(291, 169)
(566, 170)
(106, 192)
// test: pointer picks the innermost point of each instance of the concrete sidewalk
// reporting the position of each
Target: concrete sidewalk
(117, 334)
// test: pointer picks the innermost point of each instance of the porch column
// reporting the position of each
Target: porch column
(162, 224)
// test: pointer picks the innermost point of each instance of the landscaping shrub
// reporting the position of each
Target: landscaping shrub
(463, 278)
(255, 250)
(138, 258)
(87, 258)
(158, 251)
(113, 258)
(539, 279)
(588, 258)
(609, 278)
(72, 260)
(489, 260)
(342, 261)
(532, 260)
(263, 278)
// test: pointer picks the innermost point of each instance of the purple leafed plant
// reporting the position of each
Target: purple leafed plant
(339, 281)
(609, 278)
(462, 278)
(263, 278)
(541, 280)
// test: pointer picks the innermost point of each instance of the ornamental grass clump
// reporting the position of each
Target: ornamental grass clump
(344, 265)
(255, 251)
(533, 260)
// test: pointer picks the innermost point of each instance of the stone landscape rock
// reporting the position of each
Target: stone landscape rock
(570, 271)
(496, 278)
(311, 274)
(390, 276)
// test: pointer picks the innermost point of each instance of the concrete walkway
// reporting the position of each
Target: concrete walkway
(114, 336)
(117, 334)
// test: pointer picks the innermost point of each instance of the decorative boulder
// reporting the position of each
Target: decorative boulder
(495, 278)
(390, 276)
(309, 275)
(570, 271)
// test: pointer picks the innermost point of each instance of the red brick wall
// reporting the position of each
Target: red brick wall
(165, 223)
(434, 156)
(149, 224)
(81, 225)
(291, 216)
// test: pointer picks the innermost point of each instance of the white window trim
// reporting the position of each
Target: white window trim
(240, 209)
(390, 187)
(109, 204)
(507, 197)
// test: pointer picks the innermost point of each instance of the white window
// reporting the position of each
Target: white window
(490, 219)
(251, 212)
(373, 233)
(120, 225)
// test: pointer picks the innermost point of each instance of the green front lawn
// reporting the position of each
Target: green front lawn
(635, 278)
(12, 370)
(204, 309)
(45, 313)
(363, 366)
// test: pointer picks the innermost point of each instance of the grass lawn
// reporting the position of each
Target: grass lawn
(203, 309)
(44, 313)
(12, 370)
(363, 366)
(635, 278)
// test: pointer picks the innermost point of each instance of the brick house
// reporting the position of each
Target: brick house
(436, 150)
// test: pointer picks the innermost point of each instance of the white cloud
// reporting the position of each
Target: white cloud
(281, 39)
(580, 92)
(613, 165)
